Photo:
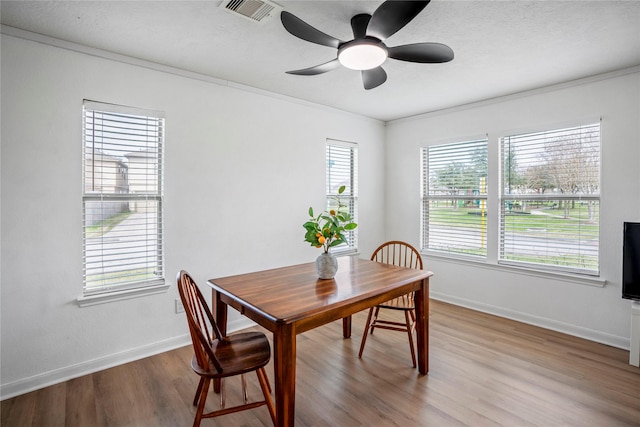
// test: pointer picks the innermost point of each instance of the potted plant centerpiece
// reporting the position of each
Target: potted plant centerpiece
(326, 231)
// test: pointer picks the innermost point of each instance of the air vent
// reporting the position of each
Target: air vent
(254, 10)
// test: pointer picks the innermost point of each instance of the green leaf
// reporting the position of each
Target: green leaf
(310, 211)
(341, 189)
(350, 226)
(309, 225)
(327, 218)
(337, 242)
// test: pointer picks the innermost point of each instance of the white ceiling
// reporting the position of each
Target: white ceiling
(501, 47)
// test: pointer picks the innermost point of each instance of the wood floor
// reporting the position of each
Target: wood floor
(484, 371)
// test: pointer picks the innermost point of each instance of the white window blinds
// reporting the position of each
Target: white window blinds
(342, 169)
(550, 199)
(454, 195)
(122, 198)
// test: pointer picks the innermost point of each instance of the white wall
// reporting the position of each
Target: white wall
(598, 313)
(242, 169)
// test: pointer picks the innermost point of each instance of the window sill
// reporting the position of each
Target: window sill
(565, 277)
(107, 297)
(346, 253)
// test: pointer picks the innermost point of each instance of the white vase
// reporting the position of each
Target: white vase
(326, 266)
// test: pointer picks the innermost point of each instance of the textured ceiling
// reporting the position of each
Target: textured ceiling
(501, 47)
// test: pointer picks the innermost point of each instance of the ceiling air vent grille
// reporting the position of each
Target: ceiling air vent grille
(255, 10)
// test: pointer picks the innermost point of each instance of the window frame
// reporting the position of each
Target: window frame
(494, 206)
(114, 186)
(349, 197)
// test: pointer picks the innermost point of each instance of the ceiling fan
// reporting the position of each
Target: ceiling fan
(367, 51)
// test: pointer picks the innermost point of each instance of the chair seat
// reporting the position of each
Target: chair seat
(401, 303)
(237, 354)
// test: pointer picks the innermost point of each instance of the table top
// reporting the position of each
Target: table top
(294, 293)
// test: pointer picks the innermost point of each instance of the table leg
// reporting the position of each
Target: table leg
(219, 309)
(346, 327)
(422, 326)
(284, 367)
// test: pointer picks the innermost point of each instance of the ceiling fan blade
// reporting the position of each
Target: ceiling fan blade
(373, 78)
(301, 29)
(431, 53)
(392, 15)
(318, 69)
(359, 25)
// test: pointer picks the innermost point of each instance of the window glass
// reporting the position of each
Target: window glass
(122, 197)
(454, 196)
(342, 170)
(550, 199)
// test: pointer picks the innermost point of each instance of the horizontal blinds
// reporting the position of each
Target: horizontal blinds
(122, 153)
(454, 198)
(564, 162)
(456, 169)
(342, 170)
(550, 200)
(122, 201)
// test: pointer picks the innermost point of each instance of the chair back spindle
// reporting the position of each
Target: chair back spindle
(401, 254)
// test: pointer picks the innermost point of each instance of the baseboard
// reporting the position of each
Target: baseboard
(56, 376)
(554, 325)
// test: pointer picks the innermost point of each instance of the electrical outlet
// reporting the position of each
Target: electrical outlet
(179, 307)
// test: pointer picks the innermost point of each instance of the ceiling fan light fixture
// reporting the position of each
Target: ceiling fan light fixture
(362, 54)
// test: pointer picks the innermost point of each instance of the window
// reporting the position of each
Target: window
(550, 199)
(342, 169)
(122, 198)
(454, 195)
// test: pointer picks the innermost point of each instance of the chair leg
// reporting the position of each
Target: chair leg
(266, 380)
(222, 396)
(266, 391)
(375, 318)
(410, 333)
(197, 396)
(203, 398)
(366, 330)
(245, 395)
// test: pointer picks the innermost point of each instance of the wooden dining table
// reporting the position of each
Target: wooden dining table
(291, 300)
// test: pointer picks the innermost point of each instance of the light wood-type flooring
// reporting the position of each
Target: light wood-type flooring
(483, 371)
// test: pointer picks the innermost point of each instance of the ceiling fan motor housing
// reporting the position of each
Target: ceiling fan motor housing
(363, 53)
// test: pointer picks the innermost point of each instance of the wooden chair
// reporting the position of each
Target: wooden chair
(401, 254)
(217, 357)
